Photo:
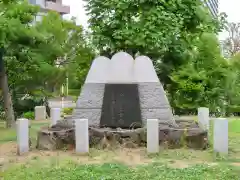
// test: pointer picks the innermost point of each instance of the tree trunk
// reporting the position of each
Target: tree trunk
(7, 99)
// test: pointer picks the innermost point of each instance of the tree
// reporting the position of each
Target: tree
(174, 34)
(231, 44)
(33, 51)
(13, 32)
(233, 86)
(162, 30)
(70, 49)
(203, 81)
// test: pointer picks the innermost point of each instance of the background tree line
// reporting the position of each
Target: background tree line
(179, 36)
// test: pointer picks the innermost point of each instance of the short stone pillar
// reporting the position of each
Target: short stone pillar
(55, 115)
(81, 136)
(22, 136)
(152, 136)
(203, 118)
(40, 113)
(220, 135)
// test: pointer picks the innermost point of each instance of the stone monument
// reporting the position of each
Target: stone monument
(122, 92)
(117, 98)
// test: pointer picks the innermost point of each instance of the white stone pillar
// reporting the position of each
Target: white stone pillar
(152, 136)
(55, 115)
(22, 136)
(81, 136)
(40, 113)
(203, 118)
(220, 135)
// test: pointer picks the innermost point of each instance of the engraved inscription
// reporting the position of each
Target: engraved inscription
(121, 106)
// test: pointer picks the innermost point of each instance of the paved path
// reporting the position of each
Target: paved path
(66, 103)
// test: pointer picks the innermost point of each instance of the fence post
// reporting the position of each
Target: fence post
(22, 136)
(55, 115)
(152, 136)
(81, 136)
(40, 113)
(203, 117)
(220, 135)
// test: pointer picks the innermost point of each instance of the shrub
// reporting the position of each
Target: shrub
(74, 92)
(28, 115)
(67, 111)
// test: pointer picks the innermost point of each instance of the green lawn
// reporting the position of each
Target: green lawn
(121, 164)
(114, 171)
(7, 135)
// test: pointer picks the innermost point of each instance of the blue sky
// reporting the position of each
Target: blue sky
(231, 7)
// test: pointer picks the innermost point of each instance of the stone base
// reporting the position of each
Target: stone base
(188, 134)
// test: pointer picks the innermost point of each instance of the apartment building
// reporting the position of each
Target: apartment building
(46, 5)
(212, 6)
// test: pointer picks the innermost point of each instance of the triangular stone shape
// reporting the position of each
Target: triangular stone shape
(122, 92)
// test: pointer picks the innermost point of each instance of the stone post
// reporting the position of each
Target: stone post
(81, 136)
(55, 115)
(203, 118)
(220, 135)
(152, 136)
(40, 113)
(22, 136)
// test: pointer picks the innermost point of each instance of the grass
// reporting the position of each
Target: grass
(7, 135)
(121, 172)
(182, 164)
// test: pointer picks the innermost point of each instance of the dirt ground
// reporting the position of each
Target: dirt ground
(180, 158)
(131, 157)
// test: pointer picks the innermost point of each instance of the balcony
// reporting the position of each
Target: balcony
(57, 7)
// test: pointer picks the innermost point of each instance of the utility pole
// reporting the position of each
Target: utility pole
(8, 106)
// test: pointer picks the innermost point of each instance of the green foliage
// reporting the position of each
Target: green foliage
(180, 38)
(74, 92)
(201, 82)
(26, 103)
(163, 30)
(233, 86)
(68, 111)
(148, 27)
(29, 115)
(120, 171)
(39, 56)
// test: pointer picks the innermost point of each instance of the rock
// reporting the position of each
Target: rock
(63, 134)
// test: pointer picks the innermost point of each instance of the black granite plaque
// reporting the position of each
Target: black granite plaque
(121, 106)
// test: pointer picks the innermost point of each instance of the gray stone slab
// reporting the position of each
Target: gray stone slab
(220, 135)
(40, 113)
(93, 115)
(121, 69)
(91, 96)
(22, 136)
(203, 117)
(55, 114)
(152, 95)
(98, 72)
(163, 115)
(152, 136)
(144, 70)
(81, 136)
